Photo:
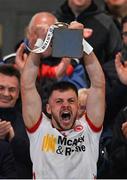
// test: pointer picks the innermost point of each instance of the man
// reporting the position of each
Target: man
(118, 8)
(12, 128)
(9, 86)
(119, 90)
(114, 130)
(117, 168)
(52, 68)
(124, 30)
(63, 147)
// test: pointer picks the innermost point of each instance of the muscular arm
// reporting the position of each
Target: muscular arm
(31, 101)
(95, 106)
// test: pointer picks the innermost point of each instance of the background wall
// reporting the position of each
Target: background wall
(14, 17)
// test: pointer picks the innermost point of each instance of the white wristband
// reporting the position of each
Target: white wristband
(39, 43)
(87, 48)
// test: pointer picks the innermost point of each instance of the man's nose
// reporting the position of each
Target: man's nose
(6, 92)
(65, 103)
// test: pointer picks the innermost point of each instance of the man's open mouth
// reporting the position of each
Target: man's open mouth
(66, 115)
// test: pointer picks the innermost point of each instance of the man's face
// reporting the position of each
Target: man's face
(78, 3)
(116, 3)
(39, 29)
(63, 106)
(9, 91)
(124, 33)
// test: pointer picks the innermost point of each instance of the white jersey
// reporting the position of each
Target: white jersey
(71, 154)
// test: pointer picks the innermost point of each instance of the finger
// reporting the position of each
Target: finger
(75, 25)
(87, 32)
(118, 63)
(124, 126)
(11, 133)
(20, 49)
(19, 53)
(25, 56)
(5, 131)
(125, 132)
(125, 63)
(2, 122)
(4, 125)
(118, 57)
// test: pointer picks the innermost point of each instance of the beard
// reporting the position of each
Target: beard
(61, 124)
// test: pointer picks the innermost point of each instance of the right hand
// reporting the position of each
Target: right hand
(21, 58)
(4, 128)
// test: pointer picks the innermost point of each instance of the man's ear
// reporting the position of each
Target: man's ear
(48, 109)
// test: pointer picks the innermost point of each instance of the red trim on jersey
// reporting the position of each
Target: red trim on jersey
(92, 126)
(34, 128)
(34, 177)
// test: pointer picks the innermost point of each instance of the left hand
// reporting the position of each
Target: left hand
(87, 32)
(21, 58)
(11, 133)
(121, 69)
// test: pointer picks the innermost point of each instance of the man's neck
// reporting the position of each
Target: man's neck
(78, 9)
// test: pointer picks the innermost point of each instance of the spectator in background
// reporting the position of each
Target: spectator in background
(12, 126)
(119, 90)
(82, 98)
(112, 139)
(118, 9)
(118, 154)
(124, 30)
(7, 161)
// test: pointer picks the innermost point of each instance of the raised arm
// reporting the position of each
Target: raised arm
(31, 101)
(95, 106)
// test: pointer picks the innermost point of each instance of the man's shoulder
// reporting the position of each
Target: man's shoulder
(104, 19)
